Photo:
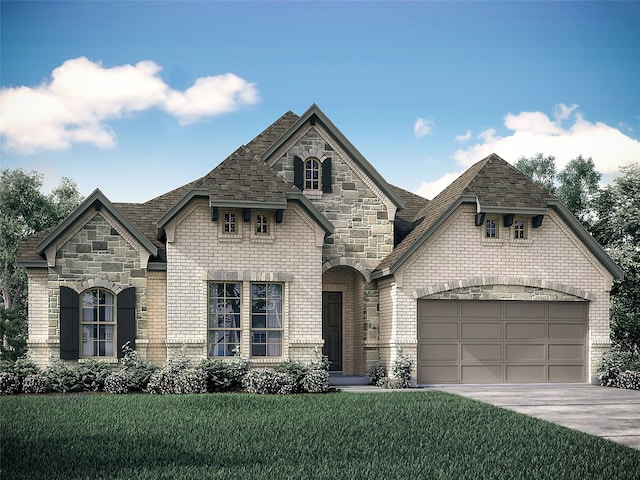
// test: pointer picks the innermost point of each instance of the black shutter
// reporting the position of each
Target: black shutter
(298, 173)
(69, 324)
(126, 319)
(326, 175)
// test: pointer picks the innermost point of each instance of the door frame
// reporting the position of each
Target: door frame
(327, 348)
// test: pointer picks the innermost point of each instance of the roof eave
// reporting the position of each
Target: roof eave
(98, 201)
(578, 229)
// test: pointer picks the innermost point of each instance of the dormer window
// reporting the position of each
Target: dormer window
(230, 223)
(262, 224)
(312, 174)
(519, 229)
(491, 228)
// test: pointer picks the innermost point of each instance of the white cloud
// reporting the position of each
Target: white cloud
(423, 127)
(562, 111)
(431, 189)
(82, 96)
(534, 132)
(465, 137)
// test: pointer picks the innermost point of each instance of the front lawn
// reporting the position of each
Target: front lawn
(333, 436)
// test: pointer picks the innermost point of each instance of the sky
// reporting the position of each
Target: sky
(138, 98)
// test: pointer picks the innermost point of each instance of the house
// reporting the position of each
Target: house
(295, 242)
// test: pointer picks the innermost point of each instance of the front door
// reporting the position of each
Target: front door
(332, 328)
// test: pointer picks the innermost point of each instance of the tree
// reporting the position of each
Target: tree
(24, 210)
(578, 187)
(617, 228)
(540, 169)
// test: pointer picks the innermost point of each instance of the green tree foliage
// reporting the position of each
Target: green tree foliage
(617, 228)
(578, 187)
(540, 169)
(24, 210)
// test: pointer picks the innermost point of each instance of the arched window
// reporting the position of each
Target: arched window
(98, 323)
(312, 174)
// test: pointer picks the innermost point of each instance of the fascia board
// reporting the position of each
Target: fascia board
(514, 210)
(254, 205)
(90, 201)
(32, 263)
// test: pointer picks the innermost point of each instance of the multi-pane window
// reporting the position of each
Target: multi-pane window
(519, 229)
(229, 223)
(312, 174)
(491, 228)
(262, 224)
(266, 319)
(224, 319)
(98, 323)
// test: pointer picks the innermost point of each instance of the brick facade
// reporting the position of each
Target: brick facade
(552, 264)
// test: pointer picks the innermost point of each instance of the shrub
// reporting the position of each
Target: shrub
(377, 372)
(178, 376)
(629, 379)
(117, 382)
(267, 381)
(21, 368)
(316, 381)
(224, 375)
(167, 381)
(401, 372)
(63, 378)
(9, 383)
(35, 383)
(614, 362)
(92, 374)
(296, 369)
(136, 371)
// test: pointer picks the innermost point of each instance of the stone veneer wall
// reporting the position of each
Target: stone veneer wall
(201, 252)
(95, 255)
(157, 317)
(359, 212)
(457, 255)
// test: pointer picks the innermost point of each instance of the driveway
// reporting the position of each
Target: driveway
(607, 412)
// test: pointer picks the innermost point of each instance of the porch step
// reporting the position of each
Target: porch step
(337, 380)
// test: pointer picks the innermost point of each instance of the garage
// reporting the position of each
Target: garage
(466, 341)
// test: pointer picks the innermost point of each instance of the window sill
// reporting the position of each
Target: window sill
(313, 194)
(493, 242)
(101, 359)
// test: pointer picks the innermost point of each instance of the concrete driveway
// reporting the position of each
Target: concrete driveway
(607, 412)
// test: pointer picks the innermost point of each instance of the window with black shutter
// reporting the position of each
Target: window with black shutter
(326, 175)
(298, 172)
(69, 324)
(126, 319)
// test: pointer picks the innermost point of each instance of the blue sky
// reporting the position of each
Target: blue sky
(136, 98)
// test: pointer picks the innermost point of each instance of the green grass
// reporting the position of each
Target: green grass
(334, 436)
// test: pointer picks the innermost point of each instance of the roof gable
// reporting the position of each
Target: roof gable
(97, 200)
(494, 186)
(315, 115)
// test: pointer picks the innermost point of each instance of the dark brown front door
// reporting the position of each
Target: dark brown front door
(332, 328)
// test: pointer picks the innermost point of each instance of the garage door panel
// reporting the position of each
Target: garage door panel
(479, 309)
(481, 331)
(525, 331)
(482, 352)
(437, 309)
(525, 373)
(481, 373)
(525, 353)
(438, 331)
(438, 374)
(567, 373)
(566, 331)
(532, 310)
(565, 310)
(558, 352)
(438, 353)
(502, 341)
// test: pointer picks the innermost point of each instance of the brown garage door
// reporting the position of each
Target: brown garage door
(501, 341)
